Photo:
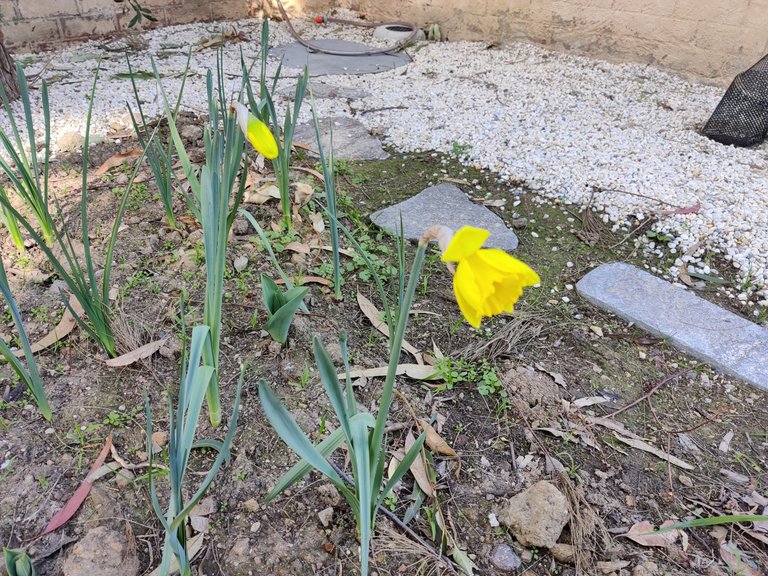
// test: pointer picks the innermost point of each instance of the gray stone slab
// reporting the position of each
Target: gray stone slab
(708, 332)
(323, 90)
(295, 55)
(351, 140)
(448, 205)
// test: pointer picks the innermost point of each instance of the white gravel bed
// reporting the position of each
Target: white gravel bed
(569, 127)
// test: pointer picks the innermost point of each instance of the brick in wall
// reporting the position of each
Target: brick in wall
(40, 9)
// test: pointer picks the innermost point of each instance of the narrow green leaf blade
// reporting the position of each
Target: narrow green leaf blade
(332, 385)
(326, 447)
(292, 435)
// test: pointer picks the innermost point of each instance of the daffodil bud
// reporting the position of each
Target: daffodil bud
(257, 133)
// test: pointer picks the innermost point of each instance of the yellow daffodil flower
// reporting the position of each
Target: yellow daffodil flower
(487, 281)
(256, 131)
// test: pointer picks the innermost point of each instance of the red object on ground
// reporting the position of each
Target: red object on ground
(320, 19)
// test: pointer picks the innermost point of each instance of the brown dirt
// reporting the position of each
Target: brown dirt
(548, 354)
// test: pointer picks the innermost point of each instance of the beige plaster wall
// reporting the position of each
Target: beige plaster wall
(41, 23)
(710, 39)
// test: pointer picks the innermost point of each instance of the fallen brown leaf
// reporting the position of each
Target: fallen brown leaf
(644, 534)
(438, 445)
(590, 401)
(297, 247)
(413, 371)
(374, 316)
(63, 328)
(556, 376)
(117, 160)
(645, 447)
(262, 194)
(418, 468)
(307, 280)
(608, 567)
(135, 355)
(302, 193)
(76, 500)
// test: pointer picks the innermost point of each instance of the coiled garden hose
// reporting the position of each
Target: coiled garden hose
(324, 19)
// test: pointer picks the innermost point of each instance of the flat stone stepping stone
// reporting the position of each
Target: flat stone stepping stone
(351, 140)
(448, 205)
(708, 332)
(322, 90)
(294, 55)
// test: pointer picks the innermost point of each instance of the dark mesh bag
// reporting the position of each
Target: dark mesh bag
(741, 117)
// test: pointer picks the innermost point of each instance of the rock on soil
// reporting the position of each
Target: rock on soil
(447, 205)
(239, 554)
(536, 516)
(326, 516)
(503, 557)
(103, 552)
(350, 138)
(563, 553)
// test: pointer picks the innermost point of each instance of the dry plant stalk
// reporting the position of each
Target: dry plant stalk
(424, 559)
(588, 532)
(520, 330)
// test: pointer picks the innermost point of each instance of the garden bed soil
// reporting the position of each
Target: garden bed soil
(553, 350)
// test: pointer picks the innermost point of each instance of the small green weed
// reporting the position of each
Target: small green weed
(483, 374)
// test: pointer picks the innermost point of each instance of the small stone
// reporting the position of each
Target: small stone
(171, 347)
(646, 569)
(192, 132)
(564, 553)
(326, 516)
(240, 263)
(503, 557)
(238, 554)
(251, 505)
(240, 226)
(255, 527)
(102, 552)
(124, 478)
(493, 521)
(351, 139)
(70, 141)
(537, 516)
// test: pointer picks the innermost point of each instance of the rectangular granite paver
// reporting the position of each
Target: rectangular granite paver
(708, 332)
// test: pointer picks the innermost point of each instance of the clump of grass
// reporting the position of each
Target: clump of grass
(78, 272)
(28, 175)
